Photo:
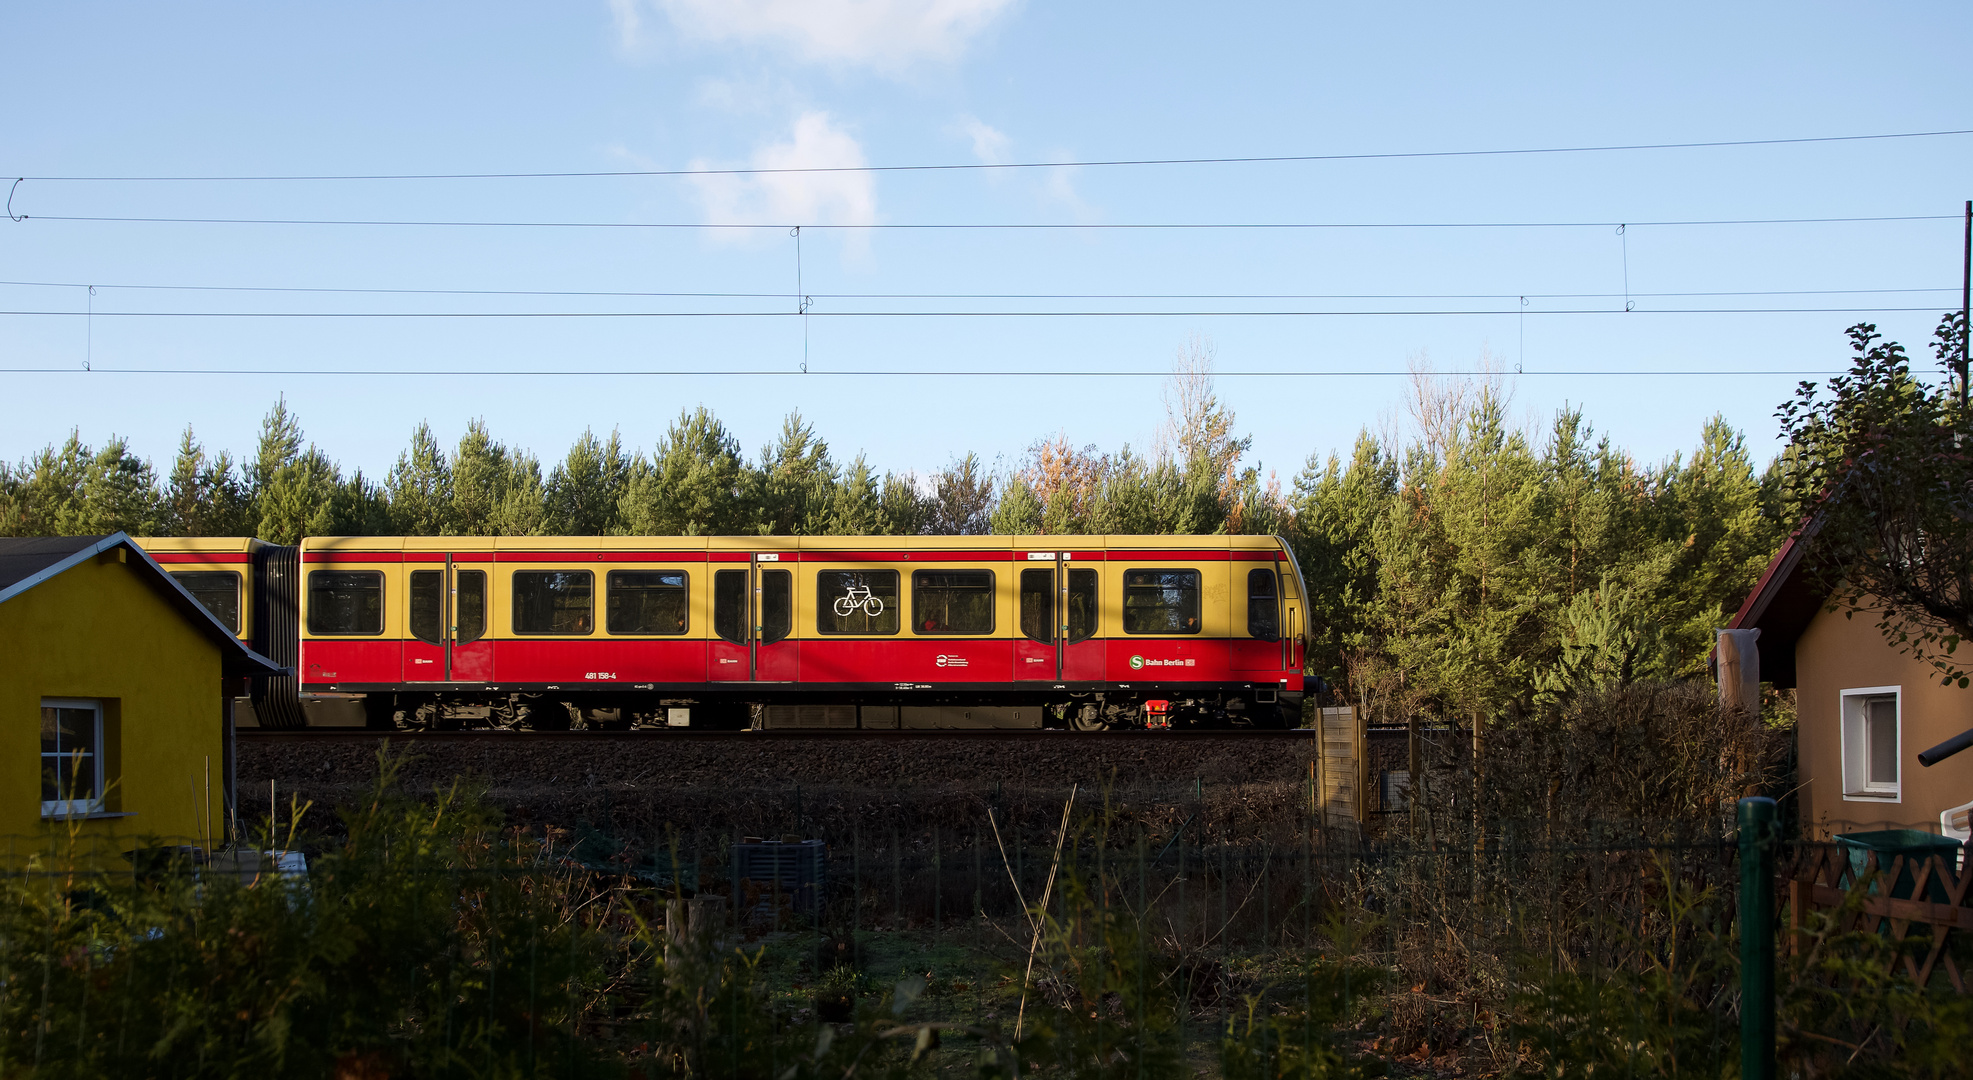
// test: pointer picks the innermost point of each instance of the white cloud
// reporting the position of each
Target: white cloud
(797, 198)
(889, 35)
(629, 20)
(989, 144)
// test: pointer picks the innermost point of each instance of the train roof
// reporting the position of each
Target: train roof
(217, 545)
(1219, 542)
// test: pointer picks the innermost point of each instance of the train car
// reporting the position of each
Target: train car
(1086, 632)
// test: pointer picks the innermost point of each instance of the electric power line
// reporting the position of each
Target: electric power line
(983, 166)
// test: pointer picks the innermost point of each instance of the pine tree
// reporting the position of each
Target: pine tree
(793, 482)
(856, 508)
(1018, 511)
(694, 485)
(204, 496)
(48, 489)
(584, 492)
(901, 509)
(1126, 501)
(1337, 508)
(299, 498)
(962, 499)
(420, 488)
(495, 491)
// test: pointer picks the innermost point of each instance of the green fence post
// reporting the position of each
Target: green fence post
(1757, 843)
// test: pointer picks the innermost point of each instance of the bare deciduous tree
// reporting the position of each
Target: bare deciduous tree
(1198, 431)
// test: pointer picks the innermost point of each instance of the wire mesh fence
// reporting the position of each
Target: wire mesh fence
(1129, 932)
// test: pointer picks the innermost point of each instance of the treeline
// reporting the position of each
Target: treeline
(1469, 569)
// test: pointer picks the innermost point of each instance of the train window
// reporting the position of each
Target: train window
(554, 602)
(729, 605)
(218, 591)
(428, 605)
(646, 601)
(1263, 606)
(952, 601)
(345, 602)
(469, 598)
(856, 601)
(1161, 601)
(1038, 605)
(777, 605)
(1082, 604)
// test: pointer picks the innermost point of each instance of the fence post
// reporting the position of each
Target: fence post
(1757, 843)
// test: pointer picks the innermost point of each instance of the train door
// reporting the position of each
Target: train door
(753, 618)
(446, 620)
(1037, 656)
(1058, 621)
(1257, 644)
(1083, 658)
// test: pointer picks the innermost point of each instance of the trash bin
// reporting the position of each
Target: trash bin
(1914, 845)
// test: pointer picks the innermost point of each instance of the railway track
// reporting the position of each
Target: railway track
(344, 735)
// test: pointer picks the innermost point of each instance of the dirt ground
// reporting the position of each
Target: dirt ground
(640, 788)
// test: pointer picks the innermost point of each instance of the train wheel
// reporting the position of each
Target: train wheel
(1087, 718)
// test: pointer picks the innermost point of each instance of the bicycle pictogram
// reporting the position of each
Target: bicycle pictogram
(859, 596)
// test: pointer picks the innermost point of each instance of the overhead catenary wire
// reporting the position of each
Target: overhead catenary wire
(981, 166)
(882, 373)
(986, 226)
(631, 293)
(952, 314)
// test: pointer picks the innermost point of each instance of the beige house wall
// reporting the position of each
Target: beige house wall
(1836, 654)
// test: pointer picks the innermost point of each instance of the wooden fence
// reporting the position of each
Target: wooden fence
(1929, 892)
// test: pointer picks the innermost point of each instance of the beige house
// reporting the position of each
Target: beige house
(1864, 711)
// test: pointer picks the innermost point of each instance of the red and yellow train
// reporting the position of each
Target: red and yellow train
(1085, 632)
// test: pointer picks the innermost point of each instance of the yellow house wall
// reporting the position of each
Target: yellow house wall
(1837, 654)
(99, 631)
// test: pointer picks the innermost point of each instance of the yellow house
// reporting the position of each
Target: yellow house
(116, 691)
(1863, 712)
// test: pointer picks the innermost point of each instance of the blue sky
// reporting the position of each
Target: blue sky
(249, 89)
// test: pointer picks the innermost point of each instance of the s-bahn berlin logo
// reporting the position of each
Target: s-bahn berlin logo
(1138, 663)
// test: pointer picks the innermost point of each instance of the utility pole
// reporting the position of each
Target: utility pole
(1965, 294)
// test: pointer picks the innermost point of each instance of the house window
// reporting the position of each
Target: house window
(71, 757)
(1871, 743)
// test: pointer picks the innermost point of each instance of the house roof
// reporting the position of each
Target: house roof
(1782, 605)
(26, 562)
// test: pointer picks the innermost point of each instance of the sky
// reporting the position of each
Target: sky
(928, 335)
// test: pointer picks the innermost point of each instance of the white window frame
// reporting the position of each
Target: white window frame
(68, 808)
(1856, 751)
